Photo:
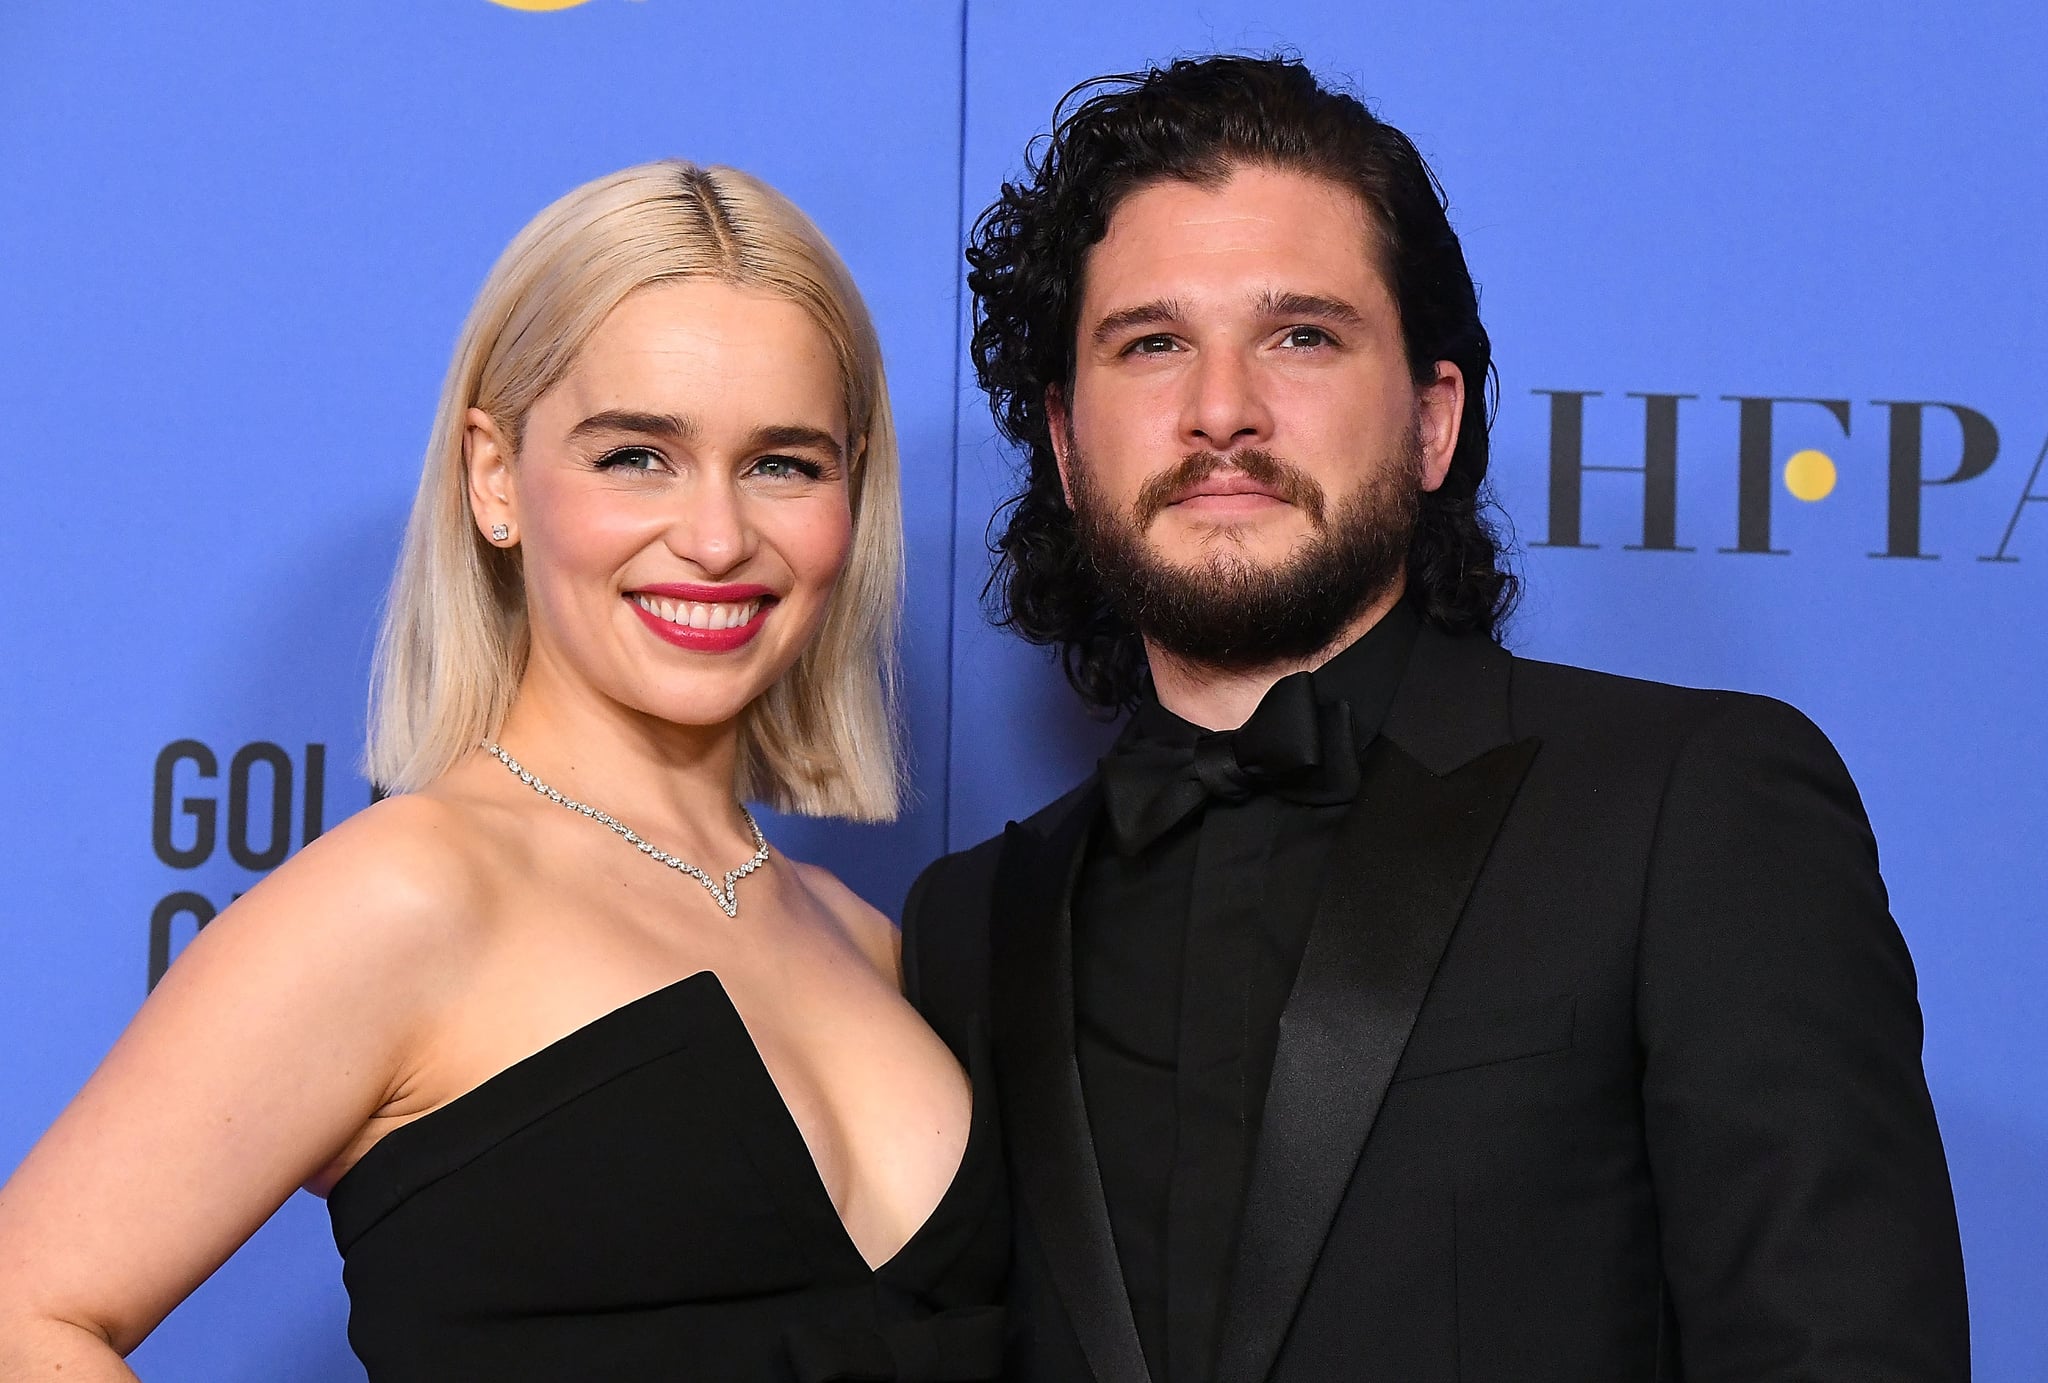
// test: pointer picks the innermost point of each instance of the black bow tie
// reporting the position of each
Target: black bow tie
(1290, 746)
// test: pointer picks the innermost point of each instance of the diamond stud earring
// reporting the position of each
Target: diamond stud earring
(499, 533)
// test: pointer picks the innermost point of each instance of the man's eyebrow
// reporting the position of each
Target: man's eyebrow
(1314, 305)
(671, 425)
(1150, 314)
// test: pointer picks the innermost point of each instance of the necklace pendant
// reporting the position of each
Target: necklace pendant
(725, 895)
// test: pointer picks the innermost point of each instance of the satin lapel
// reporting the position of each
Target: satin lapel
(1052, 1153)
(1402, 866)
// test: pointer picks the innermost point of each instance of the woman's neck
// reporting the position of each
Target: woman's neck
(673, 784)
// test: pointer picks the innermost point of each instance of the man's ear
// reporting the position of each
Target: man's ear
(493, 483)
(1439, 412)
(1061, 429)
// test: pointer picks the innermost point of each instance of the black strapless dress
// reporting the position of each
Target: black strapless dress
(635, 1203)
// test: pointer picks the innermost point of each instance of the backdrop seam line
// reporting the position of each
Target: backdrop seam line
(953, 467)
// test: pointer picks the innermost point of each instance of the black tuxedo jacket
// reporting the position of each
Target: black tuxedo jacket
(1602, 1063)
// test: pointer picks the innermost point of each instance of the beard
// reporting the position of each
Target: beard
(1228, 611)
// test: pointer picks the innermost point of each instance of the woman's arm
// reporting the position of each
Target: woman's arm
(285, 1026)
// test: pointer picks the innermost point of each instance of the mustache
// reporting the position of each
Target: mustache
(1285, 480)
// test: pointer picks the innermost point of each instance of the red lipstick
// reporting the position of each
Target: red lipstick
(676, 597)
(692, 590)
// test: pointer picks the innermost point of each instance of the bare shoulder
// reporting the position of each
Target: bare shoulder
(413, 857)
(399, 885)
(275, 1038)
(864, 925)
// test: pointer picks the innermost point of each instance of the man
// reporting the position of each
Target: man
(1388, 1006)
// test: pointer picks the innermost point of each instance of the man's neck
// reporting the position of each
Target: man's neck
(1224, 698)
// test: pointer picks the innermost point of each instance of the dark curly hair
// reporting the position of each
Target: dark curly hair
(1196, 121)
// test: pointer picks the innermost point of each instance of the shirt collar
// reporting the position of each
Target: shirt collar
(1366, 673)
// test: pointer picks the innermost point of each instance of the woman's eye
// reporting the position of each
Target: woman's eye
(1307, 338)
(788, 468)
(631, 459)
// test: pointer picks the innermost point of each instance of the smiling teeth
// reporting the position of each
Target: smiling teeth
(696, 614)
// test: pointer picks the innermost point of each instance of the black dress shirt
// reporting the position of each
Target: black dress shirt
(1184, 952)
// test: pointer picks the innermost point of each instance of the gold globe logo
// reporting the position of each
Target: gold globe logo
(1810, 475)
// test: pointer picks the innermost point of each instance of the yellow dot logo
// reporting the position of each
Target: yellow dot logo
(538, 5)
(1810, 475)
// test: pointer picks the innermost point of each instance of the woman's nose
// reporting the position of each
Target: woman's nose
(709, 528)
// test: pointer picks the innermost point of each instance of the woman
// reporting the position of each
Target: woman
(599, 1085)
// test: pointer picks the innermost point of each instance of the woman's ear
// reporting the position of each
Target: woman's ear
(493, 486)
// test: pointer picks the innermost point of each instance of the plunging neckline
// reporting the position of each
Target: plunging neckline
(776, 1138)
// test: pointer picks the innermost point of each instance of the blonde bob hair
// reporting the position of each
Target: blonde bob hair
(454, 644)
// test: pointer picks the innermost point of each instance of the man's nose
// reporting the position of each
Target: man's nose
(1224, 407)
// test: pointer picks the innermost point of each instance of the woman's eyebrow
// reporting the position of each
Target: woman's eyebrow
(674, 426)
(679, 428)
(794, 435)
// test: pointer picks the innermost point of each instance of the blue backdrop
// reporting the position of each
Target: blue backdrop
(1765, 287)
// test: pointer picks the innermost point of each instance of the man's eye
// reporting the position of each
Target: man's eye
(788, 468)
(1307, 338)
(631, 459)
(1151, 345)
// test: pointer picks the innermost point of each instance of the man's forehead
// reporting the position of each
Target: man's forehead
(1251, 235)
(1242, 183)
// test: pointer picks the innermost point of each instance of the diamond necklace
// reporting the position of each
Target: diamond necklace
(726, 894)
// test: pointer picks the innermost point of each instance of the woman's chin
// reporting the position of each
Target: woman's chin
(706, 701)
